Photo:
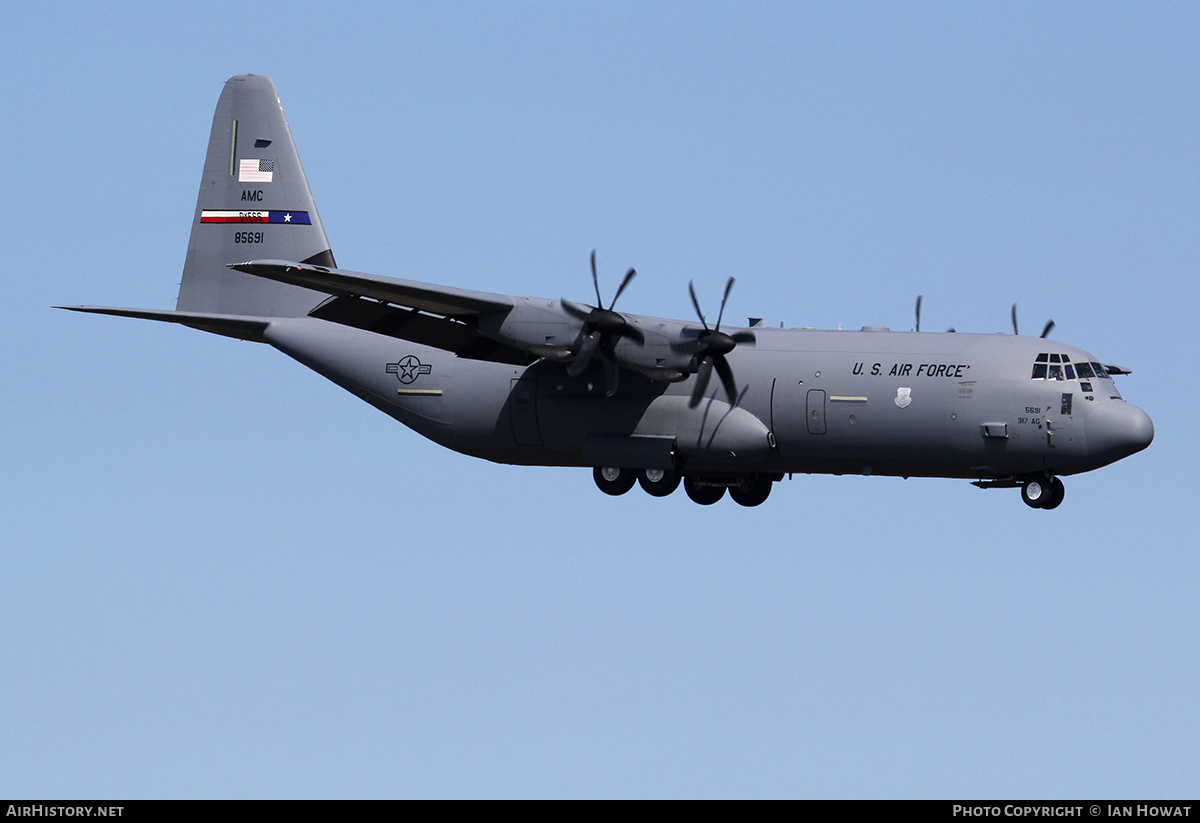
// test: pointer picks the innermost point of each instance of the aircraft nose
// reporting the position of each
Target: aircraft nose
(1117, 429)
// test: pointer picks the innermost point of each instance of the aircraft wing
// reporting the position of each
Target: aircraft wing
(440, 316)
(427, 297)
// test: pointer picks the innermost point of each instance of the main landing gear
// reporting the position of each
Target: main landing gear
(703, 493)
(752, 490)
(1043, 492)
(658, 482)
(614, 481)
(746, 490)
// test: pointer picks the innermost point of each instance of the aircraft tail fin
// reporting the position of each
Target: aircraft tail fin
(254, 203)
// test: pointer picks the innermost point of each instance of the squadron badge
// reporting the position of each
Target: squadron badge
(903, 397)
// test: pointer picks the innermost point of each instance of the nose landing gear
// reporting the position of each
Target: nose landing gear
(1043, 492)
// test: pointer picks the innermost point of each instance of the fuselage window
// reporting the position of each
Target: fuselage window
(1099, 370)
(1085, 370)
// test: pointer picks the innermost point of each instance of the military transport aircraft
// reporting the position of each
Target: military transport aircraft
(536, 381)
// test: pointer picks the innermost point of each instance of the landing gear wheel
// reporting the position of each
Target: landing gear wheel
(752, 491)
(658, 482)
(1034, 493)
(614, 481)
(1054, 494)
(704, 495)
(1043, 492)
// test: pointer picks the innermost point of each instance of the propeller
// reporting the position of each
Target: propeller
(710, 348)
(948, 331)
(1046, 329)
(602, 329)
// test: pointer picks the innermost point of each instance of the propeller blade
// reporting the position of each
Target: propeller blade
(744, 337)
(726, 375)
(918, 312)
(702, 376)
(610, 376)
(696, 303)
(629, 275)
(1014, 318)
(586, 350)
(576, 310)
(721, 313)
(596, 280)
(1048, 328)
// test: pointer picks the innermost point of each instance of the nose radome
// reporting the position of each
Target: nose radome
(1117, 429)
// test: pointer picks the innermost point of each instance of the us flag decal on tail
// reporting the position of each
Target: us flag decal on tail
(256, 171)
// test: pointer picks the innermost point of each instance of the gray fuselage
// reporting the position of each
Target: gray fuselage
(867, 402)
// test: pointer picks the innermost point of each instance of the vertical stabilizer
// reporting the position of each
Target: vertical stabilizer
(254, 204)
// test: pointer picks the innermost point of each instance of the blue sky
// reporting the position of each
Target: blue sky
(226, 577)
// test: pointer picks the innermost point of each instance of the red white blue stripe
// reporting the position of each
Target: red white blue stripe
(294, 218)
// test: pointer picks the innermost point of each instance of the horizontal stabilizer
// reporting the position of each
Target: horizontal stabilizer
(424, 296)
(242, 328)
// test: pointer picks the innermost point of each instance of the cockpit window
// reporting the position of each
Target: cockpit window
(1057, 366)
